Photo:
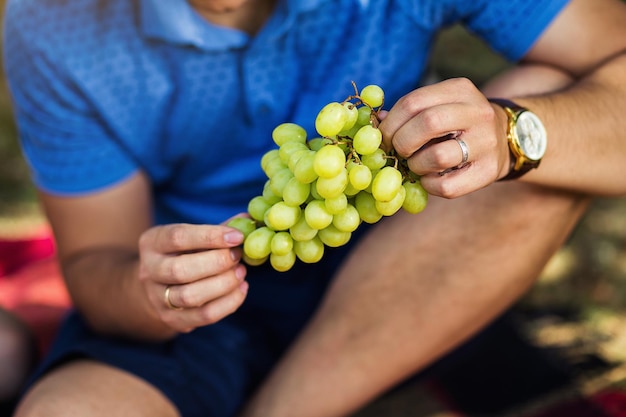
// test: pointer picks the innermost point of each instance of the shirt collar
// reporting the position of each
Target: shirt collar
(175, 21)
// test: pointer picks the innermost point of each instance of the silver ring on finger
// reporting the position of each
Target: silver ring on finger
(464, 151)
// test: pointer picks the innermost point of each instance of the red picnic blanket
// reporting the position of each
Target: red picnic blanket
(31, 285)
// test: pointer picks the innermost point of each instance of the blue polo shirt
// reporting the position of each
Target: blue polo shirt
(103, 89)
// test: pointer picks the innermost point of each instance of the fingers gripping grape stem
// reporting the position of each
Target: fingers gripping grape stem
(356, 100)
(374, 118)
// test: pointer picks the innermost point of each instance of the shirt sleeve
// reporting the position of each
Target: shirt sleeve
(509, 27)
(68, 147)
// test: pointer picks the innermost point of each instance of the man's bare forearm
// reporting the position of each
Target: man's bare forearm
(105, 288)
(585, 126)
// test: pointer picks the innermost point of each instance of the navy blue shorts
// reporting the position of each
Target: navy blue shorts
(211, 371)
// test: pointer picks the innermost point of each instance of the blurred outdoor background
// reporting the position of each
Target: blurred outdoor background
(581, 294)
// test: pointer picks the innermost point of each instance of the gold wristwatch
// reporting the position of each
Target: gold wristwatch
(526, 136)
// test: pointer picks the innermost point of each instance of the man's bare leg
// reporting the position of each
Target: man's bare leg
(417, 287)
(86, 388)
(441, 277)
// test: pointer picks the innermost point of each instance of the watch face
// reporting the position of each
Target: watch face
(531, 135)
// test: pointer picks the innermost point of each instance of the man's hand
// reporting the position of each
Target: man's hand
(426, 125)
(192, 273)
(118, 266)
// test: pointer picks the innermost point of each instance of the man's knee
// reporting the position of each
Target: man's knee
(87, 388)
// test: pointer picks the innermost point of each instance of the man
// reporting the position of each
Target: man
(134, 109)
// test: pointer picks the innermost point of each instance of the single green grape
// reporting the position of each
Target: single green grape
(280, 180)
(309, 251)
(332, 187)
(288, 148)
(416, 197)
(364, 117)
(296, 193)
(282, 216)
(388, 208)
(257, 244)
(329, 161)
(283, 263)
(245, 225)
(333, 237)
(360, 176)
(331, 119)
(302, 231)
(273, 165)
(281, 244)
(316, 214)
(268, 156)
(286, 132)
(257, 207)
(303, 170)
(367, 140)
(366, 206)
(375, 160)
(347, 220)
(386, 184)
(372, 95)
(336, 204)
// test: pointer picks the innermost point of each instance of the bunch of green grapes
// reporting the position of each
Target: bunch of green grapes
(319, 191)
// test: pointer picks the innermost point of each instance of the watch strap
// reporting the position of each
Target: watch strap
(516, 173)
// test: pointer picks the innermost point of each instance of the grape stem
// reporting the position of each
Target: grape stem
(395, 161)
(355, 156)
(374, 119)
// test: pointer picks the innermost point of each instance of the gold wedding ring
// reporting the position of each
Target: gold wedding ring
(167, 299)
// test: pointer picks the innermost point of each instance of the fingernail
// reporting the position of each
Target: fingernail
(243, 287)
(233, 237)
(240, 272)
(235, 254)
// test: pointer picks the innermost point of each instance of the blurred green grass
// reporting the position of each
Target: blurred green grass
(15, 186)
(18, 204)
